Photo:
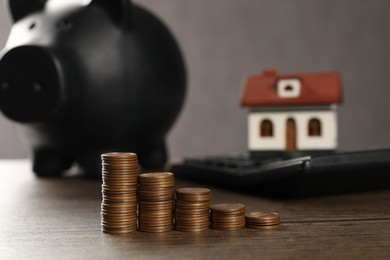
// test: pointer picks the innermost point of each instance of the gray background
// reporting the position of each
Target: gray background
(225, 40)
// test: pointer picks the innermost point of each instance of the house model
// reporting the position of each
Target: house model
(290, 113)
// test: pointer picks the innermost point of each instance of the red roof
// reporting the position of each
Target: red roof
(316, 89)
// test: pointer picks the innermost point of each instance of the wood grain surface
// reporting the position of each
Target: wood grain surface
(60, 219)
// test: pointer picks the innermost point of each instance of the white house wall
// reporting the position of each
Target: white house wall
(327, 140)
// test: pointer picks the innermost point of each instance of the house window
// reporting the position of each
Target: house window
(314, 127)
(266, 128)
(289, 88)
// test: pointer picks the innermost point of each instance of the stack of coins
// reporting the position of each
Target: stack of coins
(262, 219)
(192, 209)
(229, 216)
(119, 192)
(156, 192)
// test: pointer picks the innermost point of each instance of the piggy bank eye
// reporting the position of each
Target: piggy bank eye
(32, 26)
(65, 25)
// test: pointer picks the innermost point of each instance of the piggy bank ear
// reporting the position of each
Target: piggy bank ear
(21, 8)
(119, 11)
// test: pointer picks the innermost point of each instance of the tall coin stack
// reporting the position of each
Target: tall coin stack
(192, 209)
(156, 193)
(119, 192)
(229, 216)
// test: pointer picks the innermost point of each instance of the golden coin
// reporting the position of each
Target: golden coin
(119, 209)
(119, 189)
(193, 194)
(148, 203)
(156, 208)
(107, 201)
(118, 173)
(113, 205)
(119, 167)
(156, 175)
(111, 173)
(260, 216)
(119, 197)
(159, 223)
(156, 199)
(115, 184)
(227, 208)
(118, 221)
(192, 211)
(157, 185)
(155, 192)
(189, 217)
(118, 155)
(193, 191)
(120, 164)
(227, 217)
(120, 185)
(127, 212)
(200, 205)
(156, 212)
(192, 223)
(117, 216)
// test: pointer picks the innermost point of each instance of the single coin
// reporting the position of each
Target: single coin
(200, 205)
(193, 194)
(230, 218)
(157, 185)
(117, 224)
(141, 214)
(155, 178)
(191, 211)
(123, 221)
(118, 155)
(119, 188)
(161, 199)
(259, 216)
(191, 219)
(119, 167)
(193, 191)
(227, 207)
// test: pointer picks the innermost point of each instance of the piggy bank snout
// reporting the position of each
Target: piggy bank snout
(30, 84)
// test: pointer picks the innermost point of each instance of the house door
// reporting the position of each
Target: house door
(291, 135)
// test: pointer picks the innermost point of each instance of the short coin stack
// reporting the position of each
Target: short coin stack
(192, 209)
(119, 193)
(156, 193)
(229, 216)
(262, 219)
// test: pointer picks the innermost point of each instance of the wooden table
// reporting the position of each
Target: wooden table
(60, 219)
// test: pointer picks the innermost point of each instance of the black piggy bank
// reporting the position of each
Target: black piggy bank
(80, 78)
